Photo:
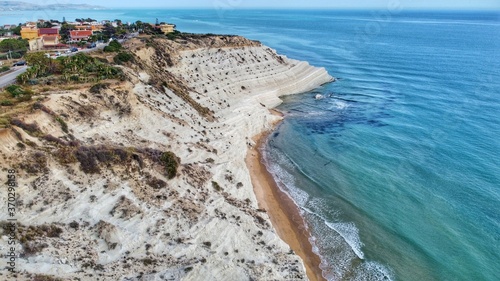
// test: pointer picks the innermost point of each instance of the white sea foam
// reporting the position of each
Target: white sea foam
(341, 105)
(337, 268)
(350, 233)
(323, 209)
(286, 182)
(372, 271)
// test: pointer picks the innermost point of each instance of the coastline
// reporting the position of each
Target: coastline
(282, 211)
(203, 222)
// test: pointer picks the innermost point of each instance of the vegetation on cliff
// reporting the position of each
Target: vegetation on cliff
(79, 68)
(13, 48)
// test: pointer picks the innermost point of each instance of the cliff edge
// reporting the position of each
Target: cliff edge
(144, 178)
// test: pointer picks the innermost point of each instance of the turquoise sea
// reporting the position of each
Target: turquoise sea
(397, 169)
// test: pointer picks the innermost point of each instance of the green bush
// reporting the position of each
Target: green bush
(63, 124)
(19, 93)
(171, 162)
(4, 68)
(6, 103)
(113, 46)
(109, 49)
(122, 57)
(174, 35)
(78, 68)
(14, 90)
(216, 186)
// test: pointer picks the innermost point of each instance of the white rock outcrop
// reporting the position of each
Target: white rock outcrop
(129, 222)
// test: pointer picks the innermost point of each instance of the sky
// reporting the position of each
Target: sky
(341, 4)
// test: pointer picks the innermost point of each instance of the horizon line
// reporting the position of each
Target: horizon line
(312, 8)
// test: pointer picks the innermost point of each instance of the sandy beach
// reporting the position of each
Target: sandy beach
(282, 211)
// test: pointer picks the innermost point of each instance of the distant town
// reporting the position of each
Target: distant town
(56, 37)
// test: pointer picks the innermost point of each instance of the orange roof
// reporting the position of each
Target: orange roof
(80, 33)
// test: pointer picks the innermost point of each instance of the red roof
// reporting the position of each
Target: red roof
(80, 33)
(48, 31)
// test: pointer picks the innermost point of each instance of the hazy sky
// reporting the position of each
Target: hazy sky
(405, 4)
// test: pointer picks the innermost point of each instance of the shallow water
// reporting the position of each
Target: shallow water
(397, 168)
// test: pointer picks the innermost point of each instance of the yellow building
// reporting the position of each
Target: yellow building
(167, 28)
(29, 33)
(98, 27)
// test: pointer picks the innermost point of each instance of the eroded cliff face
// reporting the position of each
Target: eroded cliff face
(96, 197)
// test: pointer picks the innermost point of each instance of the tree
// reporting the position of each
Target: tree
(109, 30)
(45, 24)
(19, 46)
(113, 46)
(64, 31)
(41, 65)
(93, 38)
(122, 57)
(17, 30)
(139, 24)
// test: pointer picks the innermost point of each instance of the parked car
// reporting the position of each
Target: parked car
(19, 63)
(91, 46)
(74, 49)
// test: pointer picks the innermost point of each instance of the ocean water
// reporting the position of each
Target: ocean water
(397, 169)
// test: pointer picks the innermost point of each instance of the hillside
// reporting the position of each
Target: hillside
(144, 178)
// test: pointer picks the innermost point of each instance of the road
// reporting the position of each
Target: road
(10, 78)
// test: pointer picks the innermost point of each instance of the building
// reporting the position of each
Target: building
(35, 44)
(97, 27)
(83, 27)
(48, 32)
(79, 35)
(29, 33)
(94, 26)
(166, 28)
(50, 41)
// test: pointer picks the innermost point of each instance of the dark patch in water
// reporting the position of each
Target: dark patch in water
(328, 117)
